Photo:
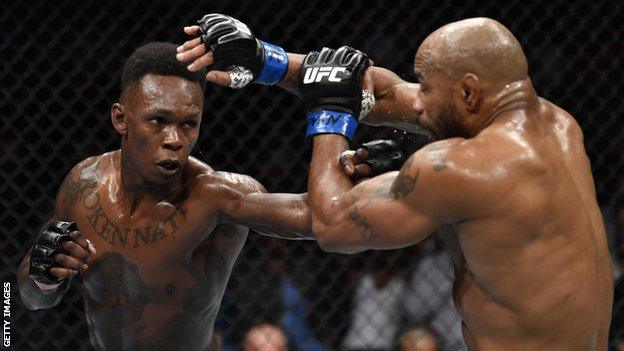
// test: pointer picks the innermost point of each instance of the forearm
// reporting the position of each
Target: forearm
(290, 81)
(31, 295)
(394, 96)
(327, 186)
(285, 216)
(394, 102)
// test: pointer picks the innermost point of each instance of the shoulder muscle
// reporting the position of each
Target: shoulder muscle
(450, 179)
(81, 178)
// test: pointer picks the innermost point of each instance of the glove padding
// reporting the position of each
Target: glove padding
(332, 80)
(384, 155)
(233, 44)
(47, 245)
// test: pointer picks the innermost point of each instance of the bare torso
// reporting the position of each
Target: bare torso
(533, 272)
(157, 280)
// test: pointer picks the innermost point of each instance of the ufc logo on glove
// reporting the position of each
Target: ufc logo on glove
(316, 74)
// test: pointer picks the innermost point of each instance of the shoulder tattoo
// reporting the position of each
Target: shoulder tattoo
(405, 181)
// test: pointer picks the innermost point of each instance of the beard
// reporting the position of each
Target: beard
(447, 124)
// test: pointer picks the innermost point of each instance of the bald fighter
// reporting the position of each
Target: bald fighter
(156, 232)
(507, 184)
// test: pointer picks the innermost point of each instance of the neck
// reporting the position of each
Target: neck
(518, 95)
(135, 189)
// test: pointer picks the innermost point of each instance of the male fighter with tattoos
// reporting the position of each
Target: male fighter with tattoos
(167, 227)
(508, 176)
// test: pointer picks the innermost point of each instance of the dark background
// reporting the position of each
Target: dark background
(61, 64)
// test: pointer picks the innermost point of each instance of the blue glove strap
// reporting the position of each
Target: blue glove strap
(275, 64)
(331, 122)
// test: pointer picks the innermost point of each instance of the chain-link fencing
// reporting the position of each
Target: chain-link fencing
(61, 65)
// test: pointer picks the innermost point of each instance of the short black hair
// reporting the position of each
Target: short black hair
(157, 58)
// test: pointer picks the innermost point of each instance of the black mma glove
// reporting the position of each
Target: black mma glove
(233, 44)
(384, 155)
(46, 247)
(330, 83)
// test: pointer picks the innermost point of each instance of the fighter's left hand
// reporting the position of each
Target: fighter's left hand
(194, 50)
(232, 53)
(371, 159)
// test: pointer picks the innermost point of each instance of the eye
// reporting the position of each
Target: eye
(190, 124)
(157, 120)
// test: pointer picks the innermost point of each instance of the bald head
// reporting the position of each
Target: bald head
(265, 337)
(481, 46)
(418, 339)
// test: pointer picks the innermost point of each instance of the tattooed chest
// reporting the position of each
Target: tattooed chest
(135, 236)
(116, 280)
(143, 303)
(92, 214)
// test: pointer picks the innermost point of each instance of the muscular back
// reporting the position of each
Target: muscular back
(159, 276)
(531, 257)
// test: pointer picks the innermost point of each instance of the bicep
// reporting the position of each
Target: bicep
(390, 223)
(398, 209)
(378, 214)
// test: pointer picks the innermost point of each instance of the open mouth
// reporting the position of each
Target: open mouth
(169, 165)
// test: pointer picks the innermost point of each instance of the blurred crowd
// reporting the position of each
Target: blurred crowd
(402, 300)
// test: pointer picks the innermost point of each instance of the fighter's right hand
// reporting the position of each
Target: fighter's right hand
(371, 159)
(225, 43)
(60, 251)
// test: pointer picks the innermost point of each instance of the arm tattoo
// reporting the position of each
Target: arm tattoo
(365, 229)
(404, 182)
(439, 163)
(435, 155)
(73, 190)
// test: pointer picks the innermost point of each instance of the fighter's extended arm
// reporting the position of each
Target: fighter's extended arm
(384, 212)
(59, 253)
(247, 202)
(395, 97)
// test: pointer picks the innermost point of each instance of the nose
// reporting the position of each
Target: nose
(172, 140)
(417, 104)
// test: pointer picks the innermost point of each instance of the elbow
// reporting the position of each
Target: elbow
(330, 240)
(324, 238)
(328, 228)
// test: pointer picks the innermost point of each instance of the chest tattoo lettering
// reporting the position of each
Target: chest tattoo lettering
(86, 191)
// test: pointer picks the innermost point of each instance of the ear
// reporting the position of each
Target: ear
(118, 117)
(471, 92)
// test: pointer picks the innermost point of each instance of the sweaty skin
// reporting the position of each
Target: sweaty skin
(508, 187)
(166, 241)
